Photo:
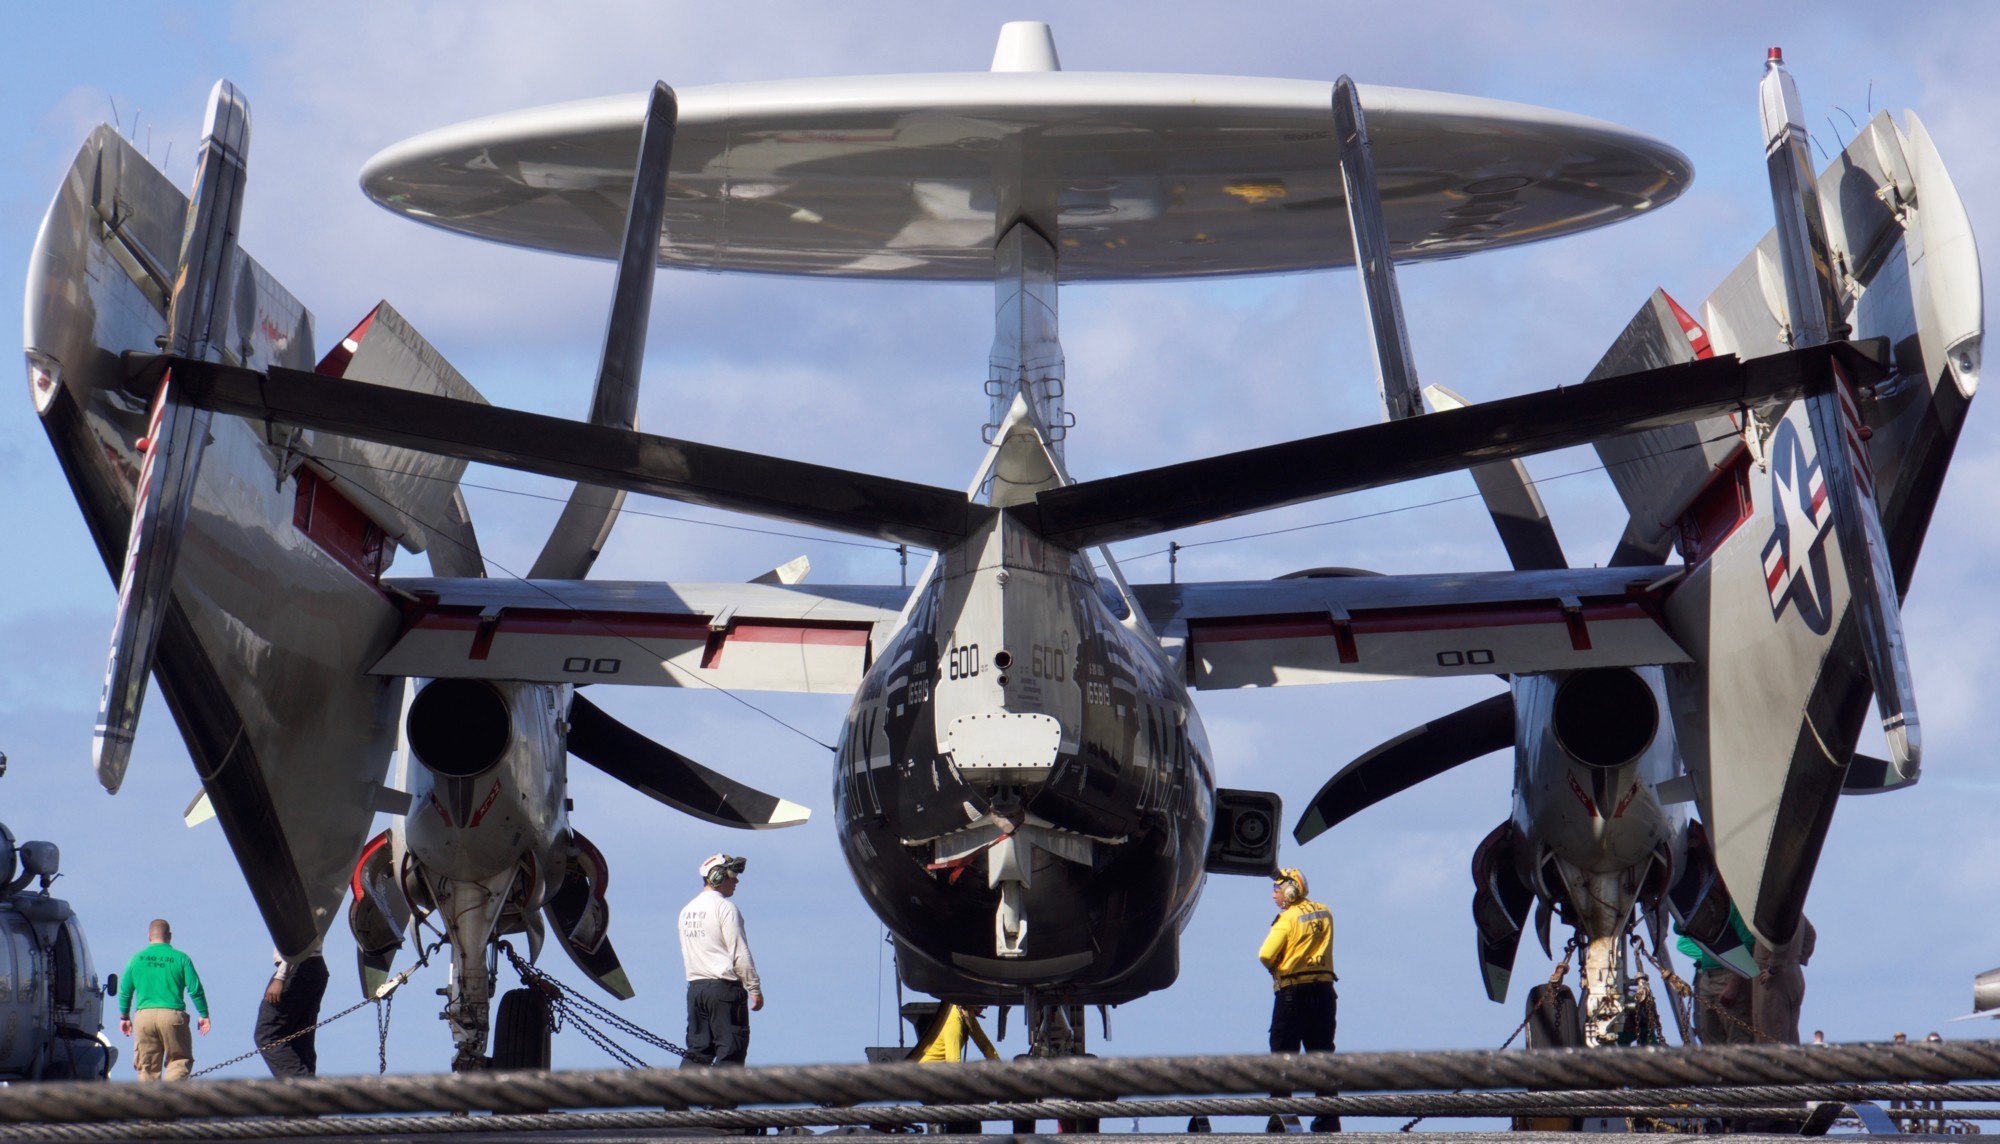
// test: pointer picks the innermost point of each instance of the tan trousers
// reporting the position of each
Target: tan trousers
(160, 1036)
(1779, 992)
(1711, 1025)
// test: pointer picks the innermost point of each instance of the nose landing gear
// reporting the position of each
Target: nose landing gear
(1056, 1029)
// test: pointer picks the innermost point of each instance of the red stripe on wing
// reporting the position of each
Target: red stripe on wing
(1391, 621)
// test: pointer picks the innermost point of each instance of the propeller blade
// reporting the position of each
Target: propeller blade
(586, 520)
(1408, 759)
(671, 777)
(1512, 502)
(454, 548)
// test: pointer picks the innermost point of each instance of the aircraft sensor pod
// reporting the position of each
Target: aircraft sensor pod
(1605, 717)
(459, 728)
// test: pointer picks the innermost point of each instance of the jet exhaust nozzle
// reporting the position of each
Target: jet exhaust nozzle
(459, 728)
(1605, 717)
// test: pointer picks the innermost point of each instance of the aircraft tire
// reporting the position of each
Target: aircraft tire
(521, 1030)
(1554, 1023)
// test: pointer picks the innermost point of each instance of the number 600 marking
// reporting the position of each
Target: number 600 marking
(963, 662)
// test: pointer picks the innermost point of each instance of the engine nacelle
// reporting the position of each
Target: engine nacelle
(487, 791)
(1604, 717)
(1590, 763)
(459, 728)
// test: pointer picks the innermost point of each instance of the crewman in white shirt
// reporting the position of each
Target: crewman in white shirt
(723, 988)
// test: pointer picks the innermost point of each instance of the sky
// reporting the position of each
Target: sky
(886, 378)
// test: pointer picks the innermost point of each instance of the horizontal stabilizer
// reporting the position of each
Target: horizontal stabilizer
(755, 637)
(662, 773)
(898, 511)
(1126, 507)
(1338, 629)
(1408, 759)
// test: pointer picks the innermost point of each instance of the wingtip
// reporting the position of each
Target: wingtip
(788, 813)
(110, 754)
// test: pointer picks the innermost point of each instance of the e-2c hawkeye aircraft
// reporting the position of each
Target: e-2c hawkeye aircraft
(1018, 715)
(1798, 525)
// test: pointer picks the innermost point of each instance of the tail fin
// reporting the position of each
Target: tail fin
(1660, 472)
(407, 493)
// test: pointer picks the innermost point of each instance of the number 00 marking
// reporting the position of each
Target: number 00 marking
(584, 665)
(1476, 657)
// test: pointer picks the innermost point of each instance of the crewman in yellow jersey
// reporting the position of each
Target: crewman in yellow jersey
(944, 1042)
(1299, 954)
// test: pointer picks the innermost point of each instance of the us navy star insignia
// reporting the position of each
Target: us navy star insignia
(1798, 498)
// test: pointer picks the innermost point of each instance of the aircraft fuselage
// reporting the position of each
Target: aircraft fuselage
(1024, 789)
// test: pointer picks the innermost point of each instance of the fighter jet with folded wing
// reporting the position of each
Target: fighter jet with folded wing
(1785, 599)
(1023, 789)
(252, 557)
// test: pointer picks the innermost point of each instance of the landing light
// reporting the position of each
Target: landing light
(44, 378)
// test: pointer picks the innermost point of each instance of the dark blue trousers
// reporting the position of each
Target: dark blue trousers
(718, 1023)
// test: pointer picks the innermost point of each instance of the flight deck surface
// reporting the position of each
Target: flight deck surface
(1137, 176)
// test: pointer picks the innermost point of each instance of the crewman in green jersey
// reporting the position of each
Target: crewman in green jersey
(149, 1000)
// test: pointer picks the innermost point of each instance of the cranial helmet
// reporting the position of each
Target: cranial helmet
(1293, 882)
(718, 868)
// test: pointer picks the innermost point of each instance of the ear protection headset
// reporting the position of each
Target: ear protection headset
(1291, 885)
(723, 869)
